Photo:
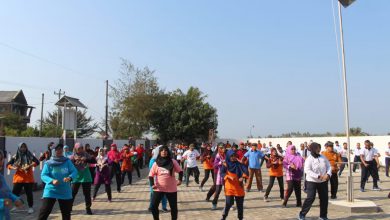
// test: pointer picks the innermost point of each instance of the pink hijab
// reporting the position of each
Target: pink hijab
(294, 158)
(113, 154)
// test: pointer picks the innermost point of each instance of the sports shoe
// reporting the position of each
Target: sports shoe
(30, 210)
(376, 189)
(164, 210)
(301, 217)
(361, 189)
(214, 207)
(232, 208)
(266, 199)
(322, 218)
(201, 188)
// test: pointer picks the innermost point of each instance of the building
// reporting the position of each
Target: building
(14, 102)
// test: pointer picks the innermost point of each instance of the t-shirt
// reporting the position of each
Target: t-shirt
(357, 152)
(254, 158)
(368, 155)
(387, 151)
(343, 152)
(179, 154)
(191, 156)
(164, 181)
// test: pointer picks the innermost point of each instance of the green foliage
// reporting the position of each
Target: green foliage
(14, 121)
(136, 95)
(185, 117)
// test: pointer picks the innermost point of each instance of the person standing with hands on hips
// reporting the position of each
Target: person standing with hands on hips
(318, 172)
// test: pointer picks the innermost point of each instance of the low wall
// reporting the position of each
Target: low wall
(380, 142)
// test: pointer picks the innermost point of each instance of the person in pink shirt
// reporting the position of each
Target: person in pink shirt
(163, 182)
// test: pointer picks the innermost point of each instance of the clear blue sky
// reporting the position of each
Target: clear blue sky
(271, 64)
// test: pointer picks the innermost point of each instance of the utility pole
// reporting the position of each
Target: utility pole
(58, 113)
(40, 127)
(106, 129)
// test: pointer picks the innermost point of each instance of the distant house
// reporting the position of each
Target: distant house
(14, 102)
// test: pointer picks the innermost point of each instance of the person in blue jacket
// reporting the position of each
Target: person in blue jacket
(7, 198)
(58, 174)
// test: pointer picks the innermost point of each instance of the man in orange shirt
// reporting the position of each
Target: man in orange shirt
(333, 158)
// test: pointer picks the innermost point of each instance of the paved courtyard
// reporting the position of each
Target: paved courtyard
(133, 201)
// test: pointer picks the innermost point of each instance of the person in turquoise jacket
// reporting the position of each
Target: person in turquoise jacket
(57, 174)
(7, 198)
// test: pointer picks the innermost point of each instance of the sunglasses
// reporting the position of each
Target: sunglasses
(293, 148)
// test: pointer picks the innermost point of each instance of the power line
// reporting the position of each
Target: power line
(78, 73)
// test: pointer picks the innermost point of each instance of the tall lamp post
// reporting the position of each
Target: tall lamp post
(250, 131)
(346, 3)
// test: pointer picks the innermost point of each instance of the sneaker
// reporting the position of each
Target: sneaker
(13, 209)
(232, 208)
(361, 189)
(30, 210)
(207, 200)
(333, 197)
(164, 210)
(262, 190)
(322, 218)
(266, 199)
(214, 207)
(201, 188)
(376, 189)
(301, 217)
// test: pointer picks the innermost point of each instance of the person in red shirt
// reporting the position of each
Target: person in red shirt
(140, 155)
(241, 152)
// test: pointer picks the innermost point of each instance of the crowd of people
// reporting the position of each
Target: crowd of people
(230, 166)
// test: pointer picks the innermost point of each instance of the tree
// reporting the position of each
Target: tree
(136, 95)
(185, 117)
(85, 124)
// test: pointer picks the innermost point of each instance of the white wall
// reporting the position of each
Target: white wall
(380, 142)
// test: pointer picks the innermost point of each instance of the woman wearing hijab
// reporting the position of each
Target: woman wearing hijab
(234, 174)
(81, 159)
(166, 184)
(114, 157)
(102, 175)
(127, 166)
(7, 198)
(318, 172)
(216, 188)
(293, 164)
(47, 155)
(57, 173)
(67, 152)
(207, 160)
(275, 165)
(23, 162)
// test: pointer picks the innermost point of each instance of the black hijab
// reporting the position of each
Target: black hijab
(313, 149)
(165, 162)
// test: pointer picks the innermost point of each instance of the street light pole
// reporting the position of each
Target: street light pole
(346, 107)
(250, 131)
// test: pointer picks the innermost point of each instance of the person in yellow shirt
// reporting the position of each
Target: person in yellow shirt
(334, 158)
